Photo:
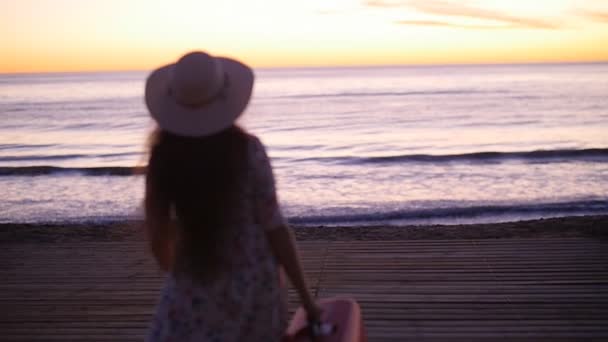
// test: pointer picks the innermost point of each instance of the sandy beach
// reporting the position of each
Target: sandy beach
(583, 226)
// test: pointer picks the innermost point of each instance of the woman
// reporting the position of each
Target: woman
(211, 211)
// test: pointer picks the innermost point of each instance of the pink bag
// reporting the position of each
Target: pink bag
(341, 321)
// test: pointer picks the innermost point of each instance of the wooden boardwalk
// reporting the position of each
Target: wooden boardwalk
(421, 290)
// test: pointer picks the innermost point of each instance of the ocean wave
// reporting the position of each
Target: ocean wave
(541, 156)
(592, 154)
(41, 157)
(24, 146)
(85, 171)
(63, 156)
(513, 210)
(382, 94)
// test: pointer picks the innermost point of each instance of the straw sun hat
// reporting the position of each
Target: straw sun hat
(199, 95)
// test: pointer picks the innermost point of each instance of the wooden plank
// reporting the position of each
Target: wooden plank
(519, 289)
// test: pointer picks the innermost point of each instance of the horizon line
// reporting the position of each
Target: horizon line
(312, 67)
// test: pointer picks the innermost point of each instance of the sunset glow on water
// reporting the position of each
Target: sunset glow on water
(349, 145)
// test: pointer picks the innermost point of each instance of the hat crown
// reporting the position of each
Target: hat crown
(199, 95)
(196, 79)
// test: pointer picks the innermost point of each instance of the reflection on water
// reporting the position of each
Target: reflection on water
(330, 133)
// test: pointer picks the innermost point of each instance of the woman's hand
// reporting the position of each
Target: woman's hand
(313, 311)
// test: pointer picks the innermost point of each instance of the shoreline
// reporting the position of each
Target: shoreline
(595, 226)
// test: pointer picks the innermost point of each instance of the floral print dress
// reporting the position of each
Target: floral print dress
(248, 304)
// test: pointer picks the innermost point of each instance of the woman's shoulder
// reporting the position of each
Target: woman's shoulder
(257, 155)
(252, 138)
(255, 144)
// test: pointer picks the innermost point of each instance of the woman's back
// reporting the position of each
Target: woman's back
(242, 298)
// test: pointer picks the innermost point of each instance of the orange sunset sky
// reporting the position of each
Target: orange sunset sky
(88, 35)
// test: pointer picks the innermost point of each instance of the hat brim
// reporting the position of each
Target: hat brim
(212, 117)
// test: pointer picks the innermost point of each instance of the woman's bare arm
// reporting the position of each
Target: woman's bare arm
(283, 245)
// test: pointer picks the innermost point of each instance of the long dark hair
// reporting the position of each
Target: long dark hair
(193, 182)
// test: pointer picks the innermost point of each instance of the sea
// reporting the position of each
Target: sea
(391, 145)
